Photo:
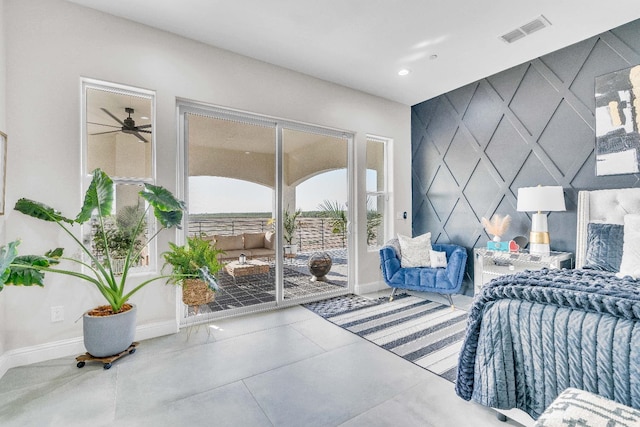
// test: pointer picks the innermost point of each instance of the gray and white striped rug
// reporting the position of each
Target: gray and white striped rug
(424, 332)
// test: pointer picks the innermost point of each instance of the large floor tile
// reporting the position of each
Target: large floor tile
(230, 405)
(333, 387)
(432, 403)
(79, 399)
(178, 375)
(325, 334)
(233, 327)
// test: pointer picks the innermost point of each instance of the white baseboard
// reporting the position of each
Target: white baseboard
(367, 288)
(158, 329)
(73, 347)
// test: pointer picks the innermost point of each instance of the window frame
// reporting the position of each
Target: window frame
(119, 89)
(385, 193)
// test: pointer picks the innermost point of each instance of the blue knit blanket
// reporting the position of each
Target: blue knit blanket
(531, 335)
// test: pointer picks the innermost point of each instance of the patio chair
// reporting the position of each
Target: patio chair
(443, 280)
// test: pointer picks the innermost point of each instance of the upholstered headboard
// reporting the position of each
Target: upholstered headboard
(606, 206)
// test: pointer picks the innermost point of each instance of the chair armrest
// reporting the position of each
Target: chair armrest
(456, 262)
(389, 262)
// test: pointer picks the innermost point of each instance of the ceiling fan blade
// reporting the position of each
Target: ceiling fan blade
(102, 133)
(143, 126)
(144, 131)
(102, 124)
(112, 116)
(140, 137)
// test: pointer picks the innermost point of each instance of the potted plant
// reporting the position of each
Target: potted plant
(289, 231)
(118, 315)
(337, 217)
(188, 263)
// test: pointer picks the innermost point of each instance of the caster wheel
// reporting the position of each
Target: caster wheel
(133, 350)
(80, 364)
(107, 366)
(501, 417)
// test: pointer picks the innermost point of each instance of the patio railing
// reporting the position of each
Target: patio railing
(312, 234)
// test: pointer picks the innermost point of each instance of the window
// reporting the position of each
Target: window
(118, 129)
(377, 195)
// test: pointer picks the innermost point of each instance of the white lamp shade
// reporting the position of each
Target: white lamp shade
(541, 199)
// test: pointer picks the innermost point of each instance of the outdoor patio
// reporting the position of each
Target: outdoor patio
(260, 288)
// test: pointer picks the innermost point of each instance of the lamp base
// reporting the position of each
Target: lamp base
(539, 236)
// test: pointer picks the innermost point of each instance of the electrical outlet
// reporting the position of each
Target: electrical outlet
(57, 313)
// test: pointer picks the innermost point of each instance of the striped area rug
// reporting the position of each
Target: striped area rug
(424, 332)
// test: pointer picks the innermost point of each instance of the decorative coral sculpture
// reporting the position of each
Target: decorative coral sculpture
(497, 226)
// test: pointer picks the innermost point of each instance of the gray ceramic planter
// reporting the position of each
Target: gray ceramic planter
(109, 335)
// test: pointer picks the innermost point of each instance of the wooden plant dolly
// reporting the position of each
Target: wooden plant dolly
(107, 360)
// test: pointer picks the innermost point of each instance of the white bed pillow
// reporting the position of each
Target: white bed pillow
(630, 264)
(415, 252)
(438, 259)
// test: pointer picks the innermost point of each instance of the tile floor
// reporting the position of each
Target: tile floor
(280, 368)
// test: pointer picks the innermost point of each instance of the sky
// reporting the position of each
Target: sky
(222, 195)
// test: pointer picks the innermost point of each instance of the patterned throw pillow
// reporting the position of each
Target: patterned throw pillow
(574, 407)
(604, 246)
(415, 252)
(438, 259)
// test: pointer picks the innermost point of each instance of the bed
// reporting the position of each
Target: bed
(531, 335)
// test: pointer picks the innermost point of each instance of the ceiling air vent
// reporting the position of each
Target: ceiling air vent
(530, 27)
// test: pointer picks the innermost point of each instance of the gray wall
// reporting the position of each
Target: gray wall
(472, 148)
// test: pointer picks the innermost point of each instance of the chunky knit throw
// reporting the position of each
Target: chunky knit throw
(547, 330)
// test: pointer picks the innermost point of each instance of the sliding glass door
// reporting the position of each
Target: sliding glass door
(231, 182)
(273, 195)
(315, 193)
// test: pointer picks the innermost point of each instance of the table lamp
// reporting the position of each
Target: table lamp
(540, 199)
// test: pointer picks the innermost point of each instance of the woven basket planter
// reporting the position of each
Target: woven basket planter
(196, 292)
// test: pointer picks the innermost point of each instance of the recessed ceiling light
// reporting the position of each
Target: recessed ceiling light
(144, 118)
(404, 72)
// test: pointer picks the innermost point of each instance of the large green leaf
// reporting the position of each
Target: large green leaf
(22, 273)
(7, 254)
(166, 208)
(99, 196)
(169, 219)
(40, 211)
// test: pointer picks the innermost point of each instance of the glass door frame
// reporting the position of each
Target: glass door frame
(185, 107)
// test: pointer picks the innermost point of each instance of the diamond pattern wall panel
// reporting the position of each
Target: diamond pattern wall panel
(532, 124)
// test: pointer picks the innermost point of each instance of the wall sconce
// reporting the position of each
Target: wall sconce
(540, 199)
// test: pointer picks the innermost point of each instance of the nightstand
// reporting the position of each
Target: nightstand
(489, 264)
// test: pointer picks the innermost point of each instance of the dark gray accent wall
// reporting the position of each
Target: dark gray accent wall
(472, 148)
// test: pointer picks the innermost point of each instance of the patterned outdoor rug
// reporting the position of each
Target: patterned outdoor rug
(424, 332)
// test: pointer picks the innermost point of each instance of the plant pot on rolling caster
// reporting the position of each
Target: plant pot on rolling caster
(109, 334)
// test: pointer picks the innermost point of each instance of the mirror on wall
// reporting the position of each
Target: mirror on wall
(120, 130)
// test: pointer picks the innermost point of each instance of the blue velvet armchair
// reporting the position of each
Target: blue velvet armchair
(445, 281)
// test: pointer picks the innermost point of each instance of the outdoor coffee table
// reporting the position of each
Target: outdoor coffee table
(249, 268)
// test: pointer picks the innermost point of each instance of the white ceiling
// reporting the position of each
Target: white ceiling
(363, 43)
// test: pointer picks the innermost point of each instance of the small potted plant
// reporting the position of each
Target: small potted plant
(193, 266)
(337, 217)
(289, 232)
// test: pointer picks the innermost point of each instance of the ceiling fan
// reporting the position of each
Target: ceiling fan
(127, 126)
